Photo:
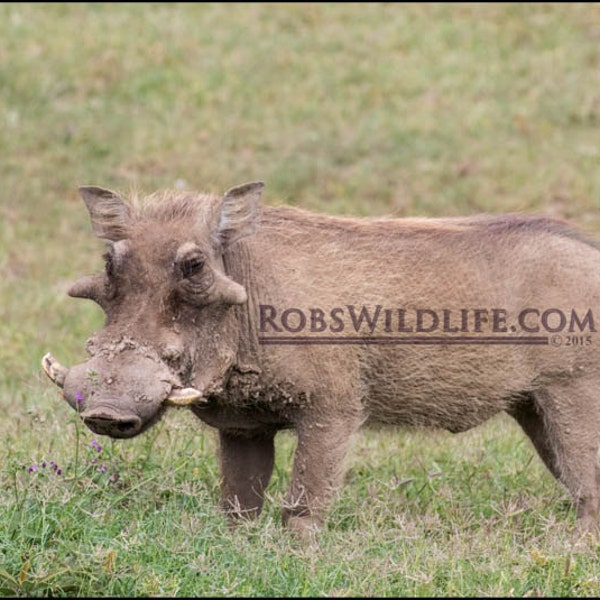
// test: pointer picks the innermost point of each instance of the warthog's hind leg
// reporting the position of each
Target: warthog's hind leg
(563, 422)
(531, 421)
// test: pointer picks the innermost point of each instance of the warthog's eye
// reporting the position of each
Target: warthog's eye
(191, 266)
(194, 277)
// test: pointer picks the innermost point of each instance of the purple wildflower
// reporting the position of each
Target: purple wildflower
(35, 467)
(101, 468)
(79, 397)
(59, 471)
(96, 445)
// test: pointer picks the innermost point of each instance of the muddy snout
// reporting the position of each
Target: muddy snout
(121, 397)
(121, 393)
(108, 420)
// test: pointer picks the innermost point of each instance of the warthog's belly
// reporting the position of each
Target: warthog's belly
(454, 414)
(443, 387)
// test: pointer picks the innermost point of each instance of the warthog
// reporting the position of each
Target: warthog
(261, 318)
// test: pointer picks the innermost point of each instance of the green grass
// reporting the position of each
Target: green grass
(364, 109)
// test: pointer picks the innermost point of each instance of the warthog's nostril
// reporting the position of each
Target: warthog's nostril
(126, 426)
(113, 425)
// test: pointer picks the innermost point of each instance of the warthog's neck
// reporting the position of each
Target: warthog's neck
(239, 265)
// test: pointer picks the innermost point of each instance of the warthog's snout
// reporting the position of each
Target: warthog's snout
(106, 420)
(119, 401)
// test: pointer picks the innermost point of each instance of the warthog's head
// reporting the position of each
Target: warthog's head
(170, 336)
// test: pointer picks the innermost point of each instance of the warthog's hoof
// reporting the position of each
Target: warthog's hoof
(304, 529)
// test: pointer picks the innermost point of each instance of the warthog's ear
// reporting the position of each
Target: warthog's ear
(239, 211)
(108, 212)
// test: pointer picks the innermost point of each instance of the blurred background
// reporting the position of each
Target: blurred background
(399, 109)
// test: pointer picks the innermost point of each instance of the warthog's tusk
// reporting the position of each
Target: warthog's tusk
(184, 397)
(55, 371)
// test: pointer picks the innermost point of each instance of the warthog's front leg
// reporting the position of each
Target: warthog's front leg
(323, 441)
(246, 467)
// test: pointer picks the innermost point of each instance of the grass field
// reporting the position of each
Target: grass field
(362, 109)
